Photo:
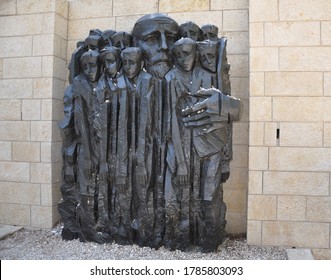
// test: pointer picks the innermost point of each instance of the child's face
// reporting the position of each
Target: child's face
(91, 69)
(131, 64)
(111, 64)
(185, 57)
(208, 59)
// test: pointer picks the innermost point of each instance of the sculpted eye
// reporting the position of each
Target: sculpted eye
(151, 39)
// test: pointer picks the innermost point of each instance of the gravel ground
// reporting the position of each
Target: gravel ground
(48, 245)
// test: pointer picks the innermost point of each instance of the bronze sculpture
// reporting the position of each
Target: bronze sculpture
(147, 136)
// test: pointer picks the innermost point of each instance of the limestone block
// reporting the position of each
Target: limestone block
(46, 110)
(14, 171)
(90, 9)
(260, 109)
(26, 151)
(235, 20)
(238, 179)
(270, 134)
(78, 29)
(295, 234)
(42, 88)
(327, 83)
(240, 87)
(240, 133)
(58, 89)
(322, 254)
(294, 83)
(51, 109)
(171, 6)
(292, 33)
(60, 65)
(41, 131)
(301, 109)
(51, 151)
(256, 133)
(35, 7)
(254, 232)
(24, 67)
(304, 10)
(262, 207)
(291, 208)
(56, 172)
(239, 65)
(62, 7)
(326, 32)
(245, 110)
(126, 23)
(258, 158)
(1, 66)
(327, 134)
(256, 34)
(48, 23)
(44, 216)
(23, 25)
(200, 18)
(264, 59)
(236, 222)
(60, 26)
(15, 130)
(15, 46)
(300, 159)
(41, 173)
(43, 45)
(305, 58)
(50, 194)
(7, 7)
(240, 156)
(319, 209)
(228, 4)
(127, 7)
(10, 110)
(263, 10)
(236, 200)
(301, 134)
(14, 214)
(295, 183)
(238, 42)
(20, 193)
(255, 182)
(256, 86)
(56, 134)
(60, 47)
(5, 151)
(31, 109)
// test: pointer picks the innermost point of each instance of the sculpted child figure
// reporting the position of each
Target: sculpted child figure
(85, 109)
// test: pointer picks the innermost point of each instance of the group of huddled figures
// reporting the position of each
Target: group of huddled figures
(147, 136)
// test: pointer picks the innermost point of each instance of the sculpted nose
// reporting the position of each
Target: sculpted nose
(163, 43)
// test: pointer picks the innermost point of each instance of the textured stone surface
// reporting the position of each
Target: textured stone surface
(291, 208)
(258, 202)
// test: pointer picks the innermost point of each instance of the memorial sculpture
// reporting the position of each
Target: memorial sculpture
(147, 136)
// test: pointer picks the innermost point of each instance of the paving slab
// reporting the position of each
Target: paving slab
(299, 254)
(6, 230)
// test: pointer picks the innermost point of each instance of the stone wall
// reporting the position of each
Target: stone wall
(289, 198)
(33, 40)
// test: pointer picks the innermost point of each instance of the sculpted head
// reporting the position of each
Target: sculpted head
(184, 51)
(191, 30)
(90, 65)
(210, 32)
(132, 61)
(110, 58)
(208, 54)
(93, 42)
(121, 40)
(155, 34)
(106, 37)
